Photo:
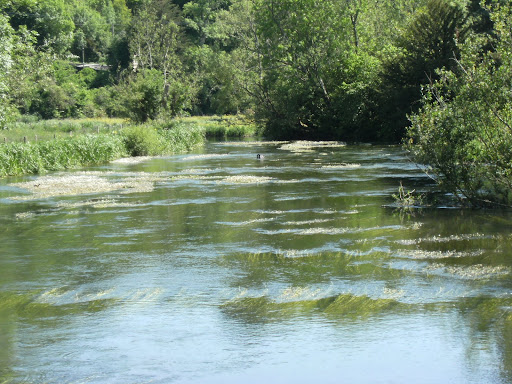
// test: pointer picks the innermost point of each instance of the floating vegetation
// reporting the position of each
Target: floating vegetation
(199, 170)
(206, 156)
(132, 160)
(473, 272)
(38, 304)
(309, 146)
(308, 222)
(332, 212)
(245, 179)
(143, 296)
(341, 166)
(325, 231)
(25, 215)
(84, 183)
(252, 143)
(310, 231)
(343, 306)
(394, 293)
(300, 293)
(446, 239)
(247, 222)
(420, 254)
(295, 253)
(271, 212)
(97, 203)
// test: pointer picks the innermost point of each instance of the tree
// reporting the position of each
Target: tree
(200, 16)
(51, 20)
(142, 95)
(92, 35)
(156, 37)
(464, 130)
(429, 42)
(6, 46)
(155, 43)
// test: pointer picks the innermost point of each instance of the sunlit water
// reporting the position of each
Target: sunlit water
(216, 267)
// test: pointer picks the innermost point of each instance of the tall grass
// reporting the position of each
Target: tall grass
(26, 158)
(64, 144)
(33, 130)
(73, 152)
(161, 139)
(223, 126)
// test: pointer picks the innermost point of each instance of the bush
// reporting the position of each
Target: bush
(142, 140)
(464, 131)
(142, 95)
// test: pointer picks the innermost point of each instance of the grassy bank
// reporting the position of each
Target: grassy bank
(31, 146)
(222, 127)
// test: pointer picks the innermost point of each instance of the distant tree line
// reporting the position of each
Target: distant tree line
(354, 70)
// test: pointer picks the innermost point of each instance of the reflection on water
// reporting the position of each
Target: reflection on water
(219, 267)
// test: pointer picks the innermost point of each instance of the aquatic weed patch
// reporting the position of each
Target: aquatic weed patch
(87, 183)
(471, 272)
(340, 307)
(428, 255)
(206, 156)
(252, 143)
(246, 179)
(35, 304)
(340, 166)
(310, 146)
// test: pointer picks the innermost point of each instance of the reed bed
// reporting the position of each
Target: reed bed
(30, 146)
(59, 154)
(222, 127)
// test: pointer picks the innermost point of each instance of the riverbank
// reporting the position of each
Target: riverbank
(29, 147)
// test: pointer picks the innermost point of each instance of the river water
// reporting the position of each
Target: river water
(217, 267)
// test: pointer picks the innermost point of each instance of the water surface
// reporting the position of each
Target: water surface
(216, 267)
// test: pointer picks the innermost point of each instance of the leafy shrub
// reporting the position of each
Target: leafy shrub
(464, 131)
(142, 140)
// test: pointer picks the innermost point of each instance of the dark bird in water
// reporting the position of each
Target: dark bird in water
(261, 157)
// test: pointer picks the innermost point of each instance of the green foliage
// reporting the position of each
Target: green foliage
(338, 69)
(142, 140)
(30, 126)
(222, 126)
(50, 19)
(6, 46)
(48, 154)
(464, 130)
(23, 158)
(428, 43)
(407, 200)
(180, 138)
(143, 95)
(161, 138)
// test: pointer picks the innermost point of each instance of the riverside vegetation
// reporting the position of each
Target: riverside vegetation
(434, 74)
(36, 147)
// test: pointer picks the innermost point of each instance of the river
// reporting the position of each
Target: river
(217, 267)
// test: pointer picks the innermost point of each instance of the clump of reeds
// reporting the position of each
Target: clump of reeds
(36, 146)
(26, 158)
(228, 126)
